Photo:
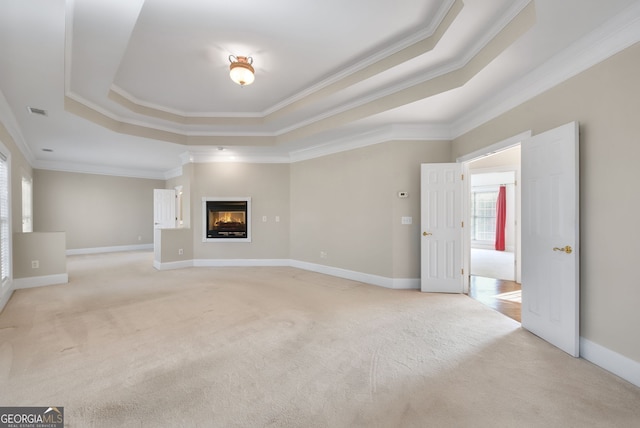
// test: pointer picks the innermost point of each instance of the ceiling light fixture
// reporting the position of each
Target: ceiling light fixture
(241, 70)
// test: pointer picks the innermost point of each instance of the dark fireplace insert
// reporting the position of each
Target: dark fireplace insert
(226, 219)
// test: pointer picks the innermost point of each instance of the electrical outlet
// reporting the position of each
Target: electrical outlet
(264, 218)
(323, 254)
(35, 264)
(277, 218)
(180, 252)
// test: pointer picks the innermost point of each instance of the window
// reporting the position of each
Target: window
(483, 214)
(27, 205)
(4, 221)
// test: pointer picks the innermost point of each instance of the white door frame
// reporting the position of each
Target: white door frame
(466, 209)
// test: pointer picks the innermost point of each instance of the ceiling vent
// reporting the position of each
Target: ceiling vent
(39, 111)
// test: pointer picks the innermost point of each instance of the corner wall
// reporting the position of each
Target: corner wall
(95, 211)
(267, 185)
(606, 101)
(346, 213)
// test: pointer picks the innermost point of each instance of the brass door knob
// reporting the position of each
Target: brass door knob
(566, 249)
(426, 233)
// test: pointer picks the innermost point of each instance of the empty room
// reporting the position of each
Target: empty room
(251, 214)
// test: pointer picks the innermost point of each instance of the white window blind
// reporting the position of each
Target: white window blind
(27, 205)
(4, 220)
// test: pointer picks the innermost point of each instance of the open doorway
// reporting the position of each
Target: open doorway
(494, 205)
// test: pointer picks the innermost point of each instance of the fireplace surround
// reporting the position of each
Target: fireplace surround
(226, 219)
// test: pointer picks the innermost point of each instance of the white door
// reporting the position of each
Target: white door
(441, 220)
(550, 231)
(164, 208)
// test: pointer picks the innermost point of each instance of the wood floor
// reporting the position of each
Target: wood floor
(501, 295)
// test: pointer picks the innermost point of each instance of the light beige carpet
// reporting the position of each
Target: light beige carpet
(125, 345)
(493, 264)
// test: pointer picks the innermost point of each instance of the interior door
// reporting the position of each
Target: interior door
(441, 221)
(164, 208)
(550, 232)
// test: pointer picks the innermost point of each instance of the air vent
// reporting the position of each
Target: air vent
(39, 111)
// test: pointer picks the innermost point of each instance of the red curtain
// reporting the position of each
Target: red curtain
(501, 217)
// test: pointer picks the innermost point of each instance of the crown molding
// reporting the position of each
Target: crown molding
(137, 101)
(610, 38)
(433, 132)
(98, 169)
(215, 155)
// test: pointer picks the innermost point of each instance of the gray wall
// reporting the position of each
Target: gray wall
(606, 101)
(94, 210)
(346, 205)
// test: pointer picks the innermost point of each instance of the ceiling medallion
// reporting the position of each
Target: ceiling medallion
(241, 70)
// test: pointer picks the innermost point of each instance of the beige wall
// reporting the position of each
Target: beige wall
(48, 248)
(94, 210)
(606, 101)
(346, 205)
(268, 187)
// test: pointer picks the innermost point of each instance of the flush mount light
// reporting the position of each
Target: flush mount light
(241, 70)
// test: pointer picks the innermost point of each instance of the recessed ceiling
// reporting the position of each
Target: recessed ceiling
(130, 86)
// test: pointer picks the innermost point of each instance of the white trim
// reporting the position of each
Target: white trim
(613, 36)
(382, 134)
(40, 281)
(611, 361)
(239, 262)
(496, 147)
(98, 169)
(381, 281)
(116, 249)
(172, 265)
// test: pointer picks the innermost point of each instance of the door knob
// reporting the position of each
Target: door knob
(426, 233)
(566, 249)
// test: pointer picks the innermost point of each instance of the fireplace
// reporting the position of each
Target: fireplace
(226, 219)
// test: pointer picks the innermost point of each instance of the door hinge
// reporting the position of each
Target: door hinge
(462, 177)
(462, 271)
(462, 223)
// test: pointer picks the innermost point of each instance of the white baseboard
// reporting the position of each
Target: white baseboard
(393, 283)
(172, 265)
(40, 281)
(381, 281)
(240, 262)
(611, 361)
(116, 249)
(219, 263)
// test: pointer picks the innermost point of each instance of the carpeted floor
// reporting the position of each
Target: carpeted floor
(125, 345)
(492, 264)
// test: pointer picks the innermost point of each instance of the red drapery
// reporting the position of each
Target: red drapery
(501, 217)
